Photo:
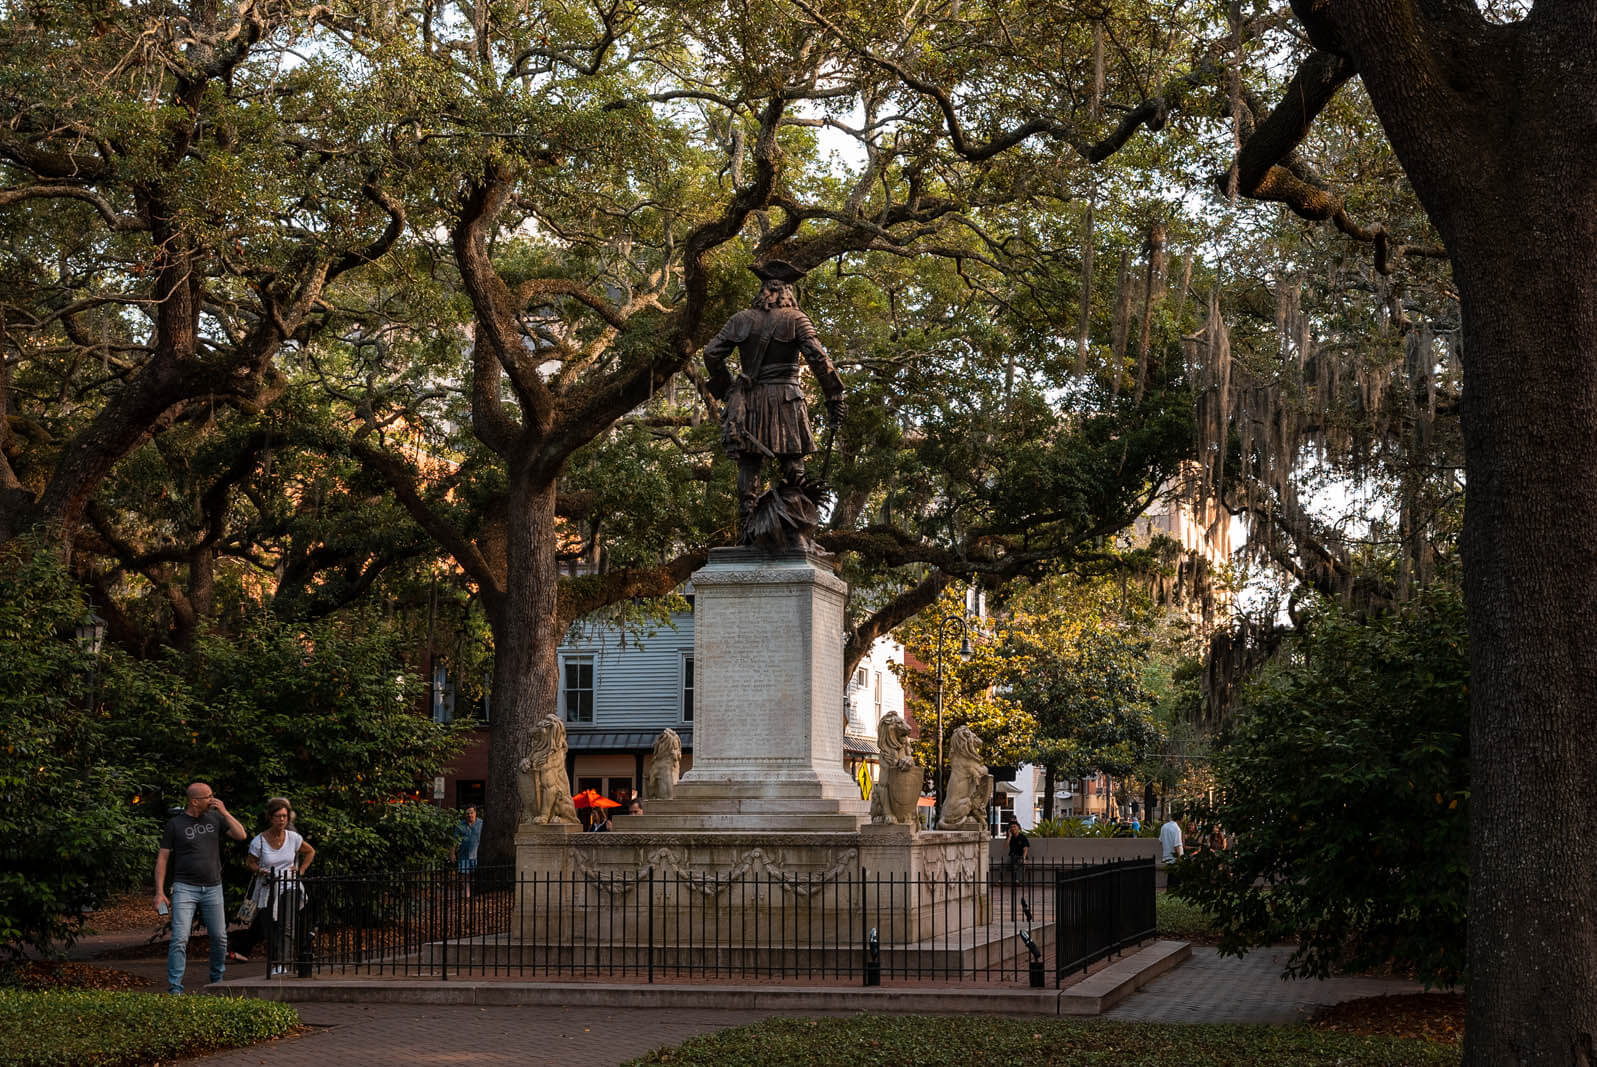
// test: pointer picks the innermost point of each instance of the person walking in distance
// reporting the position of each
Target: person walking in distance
(191, 844)
(1171, 847)
(468, 836)
(278, 856)
(1019, 851)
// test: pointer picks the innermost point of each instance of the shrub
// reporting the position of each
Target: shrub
(69, 833)
(1071, 826)
(99, 1029)
(1345, 786)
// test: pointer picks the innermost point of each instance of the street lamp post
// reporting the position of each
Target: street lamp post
(964, 632)
(90, 634)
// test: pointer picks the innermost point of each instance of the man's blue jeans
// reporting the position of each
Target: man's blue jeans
(186, 899)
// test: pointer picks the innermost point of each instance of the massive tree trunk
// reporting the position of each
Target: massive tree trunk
(1496, 127)
(526, 663)
(1530, 579)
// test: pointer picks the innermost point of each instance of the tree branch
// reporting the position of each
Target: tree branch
(587, 594)
(117, 223)
(402, 478)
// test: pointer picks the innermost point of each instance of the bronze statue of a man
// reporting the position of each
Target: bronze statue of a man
(766, 416)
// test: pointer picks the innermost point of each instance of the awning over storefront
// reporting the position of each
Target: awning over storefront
(622, 740)
(859, 746)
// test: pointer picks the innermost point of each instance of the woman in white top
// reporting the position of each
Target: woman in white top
(277, 855)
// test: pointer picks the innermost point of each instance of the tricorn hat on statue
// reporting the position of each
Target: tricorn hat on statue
(777, 270)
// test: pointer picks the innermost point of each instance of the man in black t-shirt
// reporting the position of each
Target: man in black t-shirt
(1019, 849)
(191, 842)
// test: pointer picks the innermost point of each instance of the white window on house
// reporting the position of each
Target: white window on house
(861, 676)
(577, 672)
(687, 687)
(442, 692)
(878, 696)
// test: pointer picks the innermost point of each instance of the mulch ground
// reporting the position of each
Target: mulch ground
(1432, 1016)
(42, 975)
(126, 914)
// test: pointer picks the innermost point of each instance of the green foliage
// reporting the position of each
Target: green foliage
(969, 694)
(1183, 920)
(1074, 656)
(94, 749)
(69, 837)
(320, 713)
(929, 1041)
(1345, 784)
(1072, 826)
(100, 1029)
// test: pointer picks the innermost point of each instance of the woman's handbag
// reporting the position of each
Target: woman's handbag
(246, 910)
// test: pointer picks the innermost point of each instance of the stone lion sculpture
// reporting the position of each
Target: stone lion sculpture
(970, 787)
(897, 793)
(545, 788)
(666, 766)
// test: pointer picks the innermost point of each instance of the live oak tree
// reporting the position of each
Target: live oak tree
(1492, 122)
(180, 194)
(1484, 116)
(595, 231)
(1489, 112)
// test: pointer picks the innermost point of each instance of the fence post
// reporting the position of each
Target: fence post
(303, 914)
(443, 955)
(651, 924)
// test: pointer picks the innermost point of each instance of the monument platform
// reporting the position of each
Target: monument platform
(766, 843)
(813, 888)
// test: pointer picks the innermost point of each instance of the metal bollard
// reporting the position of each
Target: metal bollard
(1036, 960)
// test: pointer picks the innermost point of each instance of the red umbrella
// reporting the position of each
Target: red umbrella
(590, 798)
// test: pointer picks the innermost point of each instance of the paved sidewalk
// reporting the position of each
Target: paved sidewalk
(1210, 988)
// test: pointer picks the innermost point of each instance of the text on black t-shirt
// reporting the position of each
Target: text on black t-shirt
(196, 845)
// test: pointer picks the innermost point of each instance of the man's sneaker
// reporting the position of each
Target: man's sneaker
(236, 957)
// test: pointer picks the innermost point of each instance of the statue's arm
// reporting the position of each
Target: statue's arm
(718, 349)
(821, 366)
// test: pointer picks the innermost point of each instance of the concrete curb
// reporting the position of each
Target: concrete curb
(1112, 985)
(589, 994)
(1099, 992)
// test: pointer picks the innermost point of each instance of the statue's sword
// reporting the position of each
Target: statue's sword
(831, 435)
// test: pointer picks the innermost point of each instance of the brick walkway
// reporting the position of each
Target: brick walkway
(1209, 988)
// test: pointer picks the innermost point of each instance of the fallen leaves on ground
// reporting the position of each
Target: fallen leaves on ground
(1432, 1016)
(37, 976)
(131, 912)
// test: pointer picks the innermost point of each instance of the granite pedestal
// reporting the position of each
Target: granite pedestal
(767, 841)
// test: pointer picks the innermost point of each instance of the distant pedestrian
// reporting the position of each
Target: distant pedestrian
(1019, 851)
(463, 853)
(278, 855)
(636, 807)
(1170, 840)
(191, 842)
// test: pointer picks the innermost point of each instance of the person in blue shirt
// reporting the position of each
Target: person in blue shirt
(468, 835)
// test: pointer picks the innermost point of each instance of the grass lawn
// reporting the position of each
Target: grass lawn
(926, 1041)
(94, 1028)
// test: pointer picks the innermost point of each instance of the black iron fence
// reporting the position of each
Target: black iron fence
(1101, 910)
(998, 926)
